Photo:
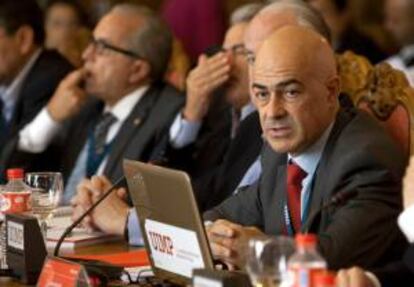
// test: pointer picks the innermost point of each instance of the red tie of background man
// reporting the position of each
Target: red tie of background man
(295, 175)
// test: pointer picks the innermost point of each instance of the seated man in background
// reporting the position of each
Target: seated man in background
(66, 30)
(270, 18)
(315, 150)
(399, 273)
(131, 108)
(29, 74)
(217, 136)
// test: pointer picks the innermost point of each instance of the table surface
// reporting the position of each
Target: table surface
(103, 248)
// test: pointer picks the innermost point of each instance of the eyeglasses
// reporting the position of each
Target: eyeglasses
(250, 56)
(237, 49)
(101, 45)
(240, 49)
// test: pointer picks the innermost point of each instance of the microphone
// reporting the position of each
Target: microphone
(119, 183)
(338, 199)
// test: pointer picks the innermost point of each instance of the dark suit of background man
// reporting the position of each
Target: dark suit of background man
(316, 150)
(28, 74)
(131, 108)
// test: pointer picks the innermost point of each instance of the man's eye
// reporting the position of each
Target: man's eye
(261, 95)
(292, 94)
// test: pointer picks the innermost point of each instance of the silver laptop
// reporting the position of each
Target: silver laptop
(170, 221)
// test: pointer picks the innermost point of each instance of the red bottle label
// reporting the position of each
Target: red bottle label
(15, 202)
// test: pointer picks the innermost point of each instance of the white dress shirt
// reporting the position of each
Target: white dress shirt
(406, 223)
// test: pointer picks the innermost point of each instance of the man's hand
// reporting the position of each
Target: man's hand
(228, 241)
(110, 215)
(408, 185)
(354, 277)
(68, 97)
(209, 74)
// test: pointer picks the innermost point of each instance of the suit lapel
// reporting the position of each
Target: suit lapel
(273, 190)
(130, 128)
(319, 184)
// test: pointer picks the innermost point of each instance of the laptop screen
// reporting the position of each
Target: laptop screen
(169, 219)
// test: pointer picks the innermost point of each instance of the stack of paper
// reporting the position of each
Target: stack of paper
(78, 237)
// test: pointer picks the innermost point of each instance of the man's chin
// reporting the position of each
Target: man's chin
(280, 146)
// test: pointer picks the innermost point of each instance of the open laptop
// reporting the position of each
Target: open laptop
(170, 221)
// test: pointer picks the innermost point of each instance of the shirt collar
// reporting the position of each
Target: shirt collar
(246, 110)
(309, 159)
(123, 108)
(11, 92)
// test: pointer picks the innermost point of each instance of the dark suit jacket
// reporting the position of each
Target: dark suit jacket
(358, 155)
(214, 187)
(137, 139)
(39, 85)
(215, 162)
(207, 152)
(399, 273)
(139, 136)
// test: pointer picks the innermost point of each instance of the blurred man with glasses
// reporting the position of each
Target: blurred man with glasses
(116, 106)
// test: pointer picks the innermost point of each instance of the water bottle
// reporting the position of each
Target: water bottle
(14, 198)
(306, 262)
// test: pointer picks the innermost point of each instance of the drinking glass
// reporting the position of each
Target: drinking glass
(266, 260)
(47, 189)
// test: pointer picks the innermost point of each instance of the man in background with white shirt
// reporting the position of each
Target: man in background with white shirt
(29, 74)
(129, 112)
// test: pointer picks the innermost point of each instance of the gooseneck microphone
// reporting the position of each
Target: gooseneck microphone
(119, 183)
(338, 199)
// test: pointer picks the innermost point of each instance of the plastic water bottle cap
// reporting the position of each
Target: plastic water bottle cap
(306, 239)
(15, 173)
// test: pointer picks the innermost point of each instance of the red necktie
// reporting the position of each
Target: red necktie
(295, 175)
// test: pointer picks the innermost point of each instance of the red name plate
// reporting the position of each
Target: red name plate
(59, 272)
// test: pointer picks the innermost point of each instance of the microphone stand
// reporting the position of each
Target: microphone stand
(69, 229)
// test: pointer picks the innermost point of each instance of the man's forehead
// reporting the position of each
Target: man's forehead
(235, 34)
(277, 79)
(264, 24)
(114, 27)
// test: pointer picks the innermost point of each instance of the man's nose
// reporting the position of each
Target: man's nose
(276, 107)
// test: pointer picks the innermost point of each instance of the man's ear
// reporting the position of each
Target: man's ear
(333, 85)
(25, 39)
(140, 71)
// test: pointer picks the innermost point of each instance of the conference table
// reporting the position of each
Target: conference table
(97, 249)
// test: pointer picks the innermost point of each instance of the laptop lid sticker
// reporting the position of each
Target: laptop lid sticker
(173, 249)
